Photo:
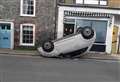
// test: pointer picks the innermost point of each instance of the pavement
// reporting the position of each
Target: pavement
(19, 52)
(101, 56)
(35, 53)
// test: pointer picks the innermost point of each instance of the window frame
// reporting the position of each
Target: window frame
(83, 2)
(21, 34)
(21, 9)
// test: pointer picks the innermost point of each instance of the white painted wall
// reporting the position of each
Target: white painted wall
(109, 35)
(60, 23)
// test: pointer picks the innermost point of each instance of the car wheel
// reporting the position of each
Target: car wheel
(48, 46)
(87, 32)
(79, 30)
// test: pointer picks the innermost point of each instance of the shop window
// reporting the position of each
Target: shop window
(68, 29)
(101, 30)
(69, 26)
(99, 26)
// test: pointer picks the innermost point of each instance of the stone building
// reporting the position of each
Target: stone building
(26, 23)
(102, 15)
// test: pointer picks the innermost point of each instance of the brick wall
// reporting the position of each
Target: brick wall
(44, 19)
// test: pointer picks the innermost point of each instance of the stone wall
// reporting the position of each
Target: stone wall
(44, 19)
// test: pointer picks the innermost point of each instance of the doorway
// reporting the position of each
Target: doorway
(6, 35)
(115, 40)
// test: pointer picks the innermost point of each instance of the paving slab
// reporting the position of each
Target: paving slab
(102, 56)
(19, 52)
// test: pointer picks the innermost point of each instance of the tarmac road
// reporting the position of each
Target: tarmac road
(30, 69)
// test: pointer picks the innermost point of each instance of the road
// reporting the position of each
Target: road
(33, 69)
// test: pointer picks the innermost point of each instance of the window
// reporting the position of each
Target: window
(5, 27)
(27, 7)
(100, 28)
(91, 1)
(103, 2)
(27, 34)
(97, 2)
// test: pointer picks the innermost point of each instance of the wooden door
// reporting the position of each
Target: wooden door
(115, 40)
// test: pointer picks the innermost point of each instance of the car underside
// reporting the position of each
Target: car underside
(69, 46)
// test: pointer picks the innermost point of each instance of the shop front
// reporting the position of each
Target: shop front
(71, 18)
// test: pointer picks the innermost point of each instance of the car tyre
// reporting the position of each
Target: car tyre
(79, 30)
(87, 32)
(48, 46)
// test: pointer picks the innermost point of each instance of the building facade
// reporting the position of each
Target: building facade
(101, 15)
(26, 23)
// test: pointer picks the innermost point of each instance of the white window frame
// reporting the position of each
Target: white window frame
(21, 34)
(94, 2)
(98, 2)
(21, 9)
(103, 2)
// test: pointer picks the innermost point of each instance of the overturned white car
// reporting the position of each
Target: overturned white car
(71, 45)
